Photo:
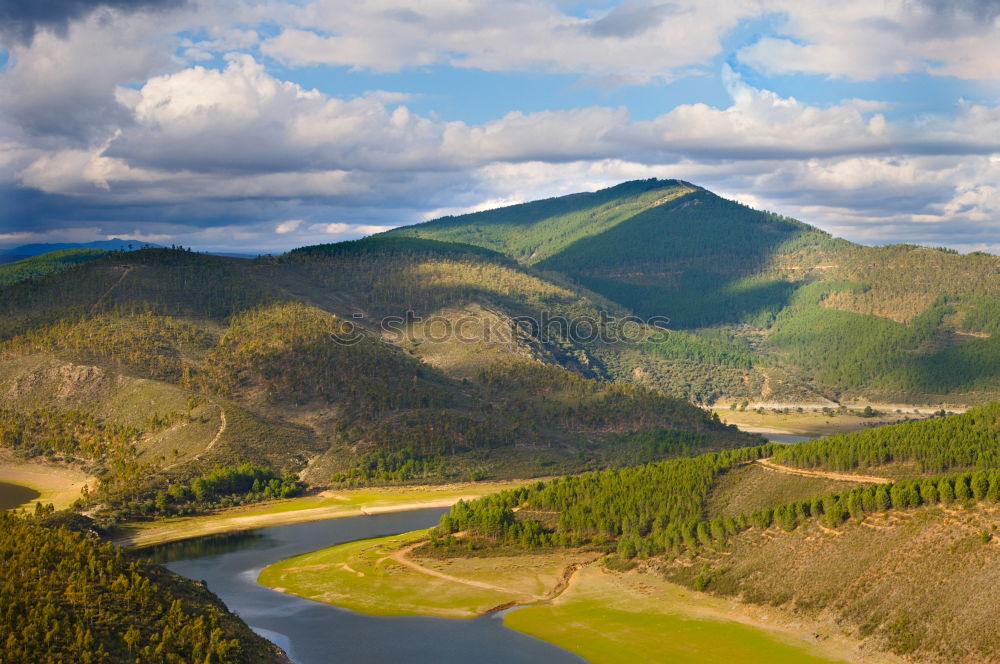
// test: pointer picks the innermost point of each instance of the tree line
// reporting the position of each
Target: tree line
(968, 440)
(657, 509)
(832, 510)
(600, 506)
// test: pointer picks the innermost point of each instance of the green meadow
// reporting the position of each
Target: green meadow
(610, 618)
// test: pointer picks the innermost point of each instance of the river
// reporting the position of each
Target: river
(315, 633)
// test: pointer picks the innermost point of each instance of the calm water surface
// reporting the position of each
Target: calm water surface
(314, 633)
(787, 438)
(12, 495)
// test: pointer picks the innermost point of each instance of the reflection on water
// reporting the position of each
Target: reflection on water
(210, 545)
(787, 438)
(274, 637)
(314, 633)
(12, 495)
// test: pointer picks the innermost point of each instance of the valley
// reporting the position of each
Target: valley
(809, 532)
(587, 384)
(469, 332)
(566, 598)
(810, 420)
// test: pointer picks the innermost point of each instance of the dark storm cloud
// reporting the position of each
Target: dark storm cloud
(985, 10)
(884, 200)
(380, 199)
(19, 204)
(630, 20)
(21, 19)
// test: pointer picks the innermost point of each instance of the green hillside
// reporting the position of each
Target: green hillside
(878, 558)
(834, 320)
(285, 363)
(38, 266)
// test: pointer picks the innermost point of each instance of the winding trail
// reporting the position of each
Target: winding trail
(211, 443)
(218, 434)
(128, 268)
(400, 557)
(843, 477)
(564, 581)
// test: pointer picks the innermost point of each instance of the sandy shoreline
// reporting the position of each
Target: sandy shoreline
(342, 504)
(214, 525)
(59, 485)
(767, 430)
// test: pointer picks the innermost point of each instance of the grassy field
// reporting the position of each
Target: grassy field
(59, 485)
(603, 616)
(610, 618)
(327, 505)
(383, 577)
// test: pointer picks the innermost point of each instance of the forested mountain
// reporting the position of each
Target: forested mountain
(153, 368)
(865, 555)
(68, 597)
(505, 344)
(497, 344)
(809, 317)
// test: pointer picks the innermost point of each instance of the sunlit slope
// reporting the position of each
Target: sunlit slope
(887, 536)
(35, 267)
(536, 231)
(651, 245)
(288, 361)
(804, 316)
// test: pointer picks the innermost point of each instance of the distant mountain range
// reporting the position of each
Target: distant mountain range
(114, 244)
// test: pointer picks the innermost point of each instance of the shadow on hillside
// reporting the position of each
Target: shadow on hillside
(692, 260)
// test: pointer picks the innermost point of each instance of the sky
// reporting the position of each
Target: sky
(244, 125)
